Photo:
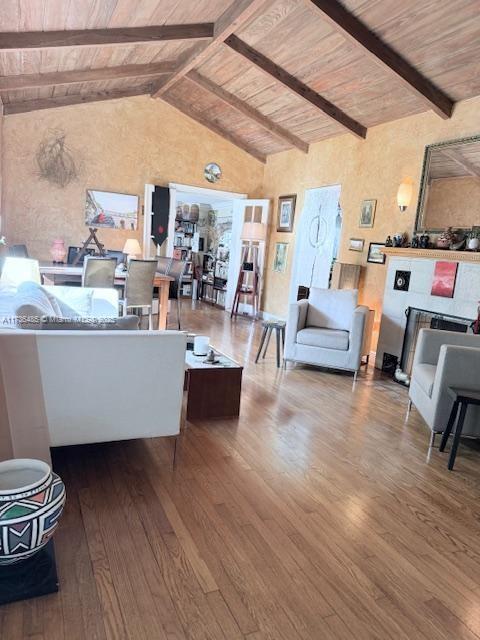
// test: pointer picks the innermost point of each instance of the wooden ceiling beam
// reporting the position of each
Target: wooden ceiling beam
(26, 106)
(296, 86)
(19, 41)
(61, 78)
(247, 110)
(232, 19)
(360, 35)
(215, 127)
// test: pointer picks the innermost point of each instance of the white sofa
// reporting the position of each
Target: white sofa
(74, 387)
(327, 330)
(443, 359)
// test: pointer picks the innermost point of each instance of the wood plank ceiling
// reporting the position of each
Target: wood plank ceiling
(268, 75)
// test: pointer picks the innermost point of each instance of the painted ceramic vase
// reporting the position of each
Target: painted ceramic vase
(58, 251)
(31, 503)
(445, 239)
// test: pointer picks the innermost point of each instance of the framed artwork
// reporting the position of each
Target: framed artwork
(444, 278)
(286, 213)
(111, 210)
(375, 254)
(280, 257)
(367, 214)
(356, 244)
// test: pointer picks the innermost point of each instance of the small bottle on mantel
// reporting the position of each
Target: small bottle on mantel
(389, 241)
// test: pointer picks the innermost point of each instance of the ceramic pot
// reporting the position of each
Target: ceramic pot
(473, 244)
(58, 251)
(31, 503)
(445, 239)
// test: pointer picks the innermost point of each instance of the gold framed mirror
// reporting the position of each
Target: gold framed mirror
(450, 186)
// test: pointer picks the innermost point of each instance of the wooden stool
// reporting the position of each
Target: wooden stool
(461, 399)
(268, 327)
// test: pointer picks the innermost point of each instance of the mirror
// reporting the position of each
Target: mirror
(450, 187)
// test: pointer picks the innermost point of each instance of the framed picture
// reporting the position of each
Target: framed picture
(111, 210)
(367, 214)
(280, 257)
(375, 254)
(356, 244)
(286, 213)
(444, 278)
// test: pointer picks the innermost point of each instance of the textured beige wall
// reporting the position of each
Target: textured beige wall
(451, 199)
(366, 169)
(119, 146)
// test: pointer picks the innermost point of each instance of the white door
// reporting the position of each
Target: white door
(245, 211)
(317, 239)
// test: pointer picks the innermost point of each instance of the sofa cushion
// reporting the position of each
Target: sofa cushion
(331, 308)
(425, 376)
(31, 300)
(75, 302)
(324, 338)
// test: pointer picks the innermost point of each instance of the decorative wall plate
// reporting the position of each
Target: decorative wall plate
(212, 172)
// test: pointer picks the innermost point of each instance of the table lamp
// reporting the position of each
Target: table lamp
(132, 248)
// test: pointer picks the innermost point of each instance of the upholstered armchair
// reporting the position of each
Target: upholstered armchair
(327, 330)
(444, 359)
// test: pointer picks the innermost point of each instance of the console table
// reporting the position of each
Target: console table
(52, 271)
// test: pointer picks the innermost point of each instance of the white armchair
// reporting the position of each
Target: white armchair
(445, 359)
(327, 330)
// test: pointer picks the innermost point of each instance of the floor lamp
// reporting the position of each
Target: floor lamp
(248, 284)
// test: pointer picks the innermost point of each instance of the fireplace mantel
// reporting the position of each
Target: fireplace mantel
(432, 254)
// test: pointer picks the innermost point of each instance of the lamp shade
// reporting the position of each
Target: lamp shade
(132, 247)
(404, 194)
(254, 231)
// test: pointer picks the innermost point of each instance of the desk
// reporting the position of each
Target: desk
(161, 281)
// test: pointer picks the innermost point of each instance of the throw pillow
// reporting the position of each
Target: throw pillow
(331, 308)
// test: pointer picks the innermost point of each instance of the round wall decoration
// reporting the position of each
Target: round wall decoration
(212, 172)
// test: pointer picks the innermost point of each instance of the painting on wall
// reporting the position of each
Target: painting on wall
(280, 257)
(367, 214)
(111, 210)
(286, 213)
(356, 244)
(444, 278)
(375, 254)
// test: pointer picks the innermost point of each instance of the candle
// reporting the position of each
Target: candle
(201, 345)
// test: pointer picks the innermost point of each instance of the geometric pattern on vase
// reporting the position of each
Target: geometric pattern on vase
(29, 517)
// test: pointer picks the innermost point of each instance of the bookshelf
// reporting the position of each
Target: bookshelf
(184, 244)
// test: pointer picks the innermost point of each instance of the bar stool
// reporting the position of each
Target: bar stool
(268, 327)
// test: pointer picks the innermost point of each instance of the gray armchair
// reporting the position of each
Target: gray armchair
(443, 359)
(327, 330)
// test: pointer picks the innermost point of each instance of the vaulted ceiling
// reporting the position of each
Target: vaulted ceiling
(268, 75)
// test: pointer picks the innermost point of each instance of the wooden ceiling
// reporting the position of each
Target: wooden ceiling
(268, 75)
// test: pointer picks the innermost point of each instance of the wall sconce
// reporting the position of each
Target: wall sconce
(404, 194)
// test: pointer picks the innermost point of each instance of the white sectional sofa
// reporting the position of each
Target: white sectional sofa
(63, 387)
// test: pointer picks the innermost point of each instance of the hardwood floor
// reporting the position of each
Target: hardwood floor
(315, 515)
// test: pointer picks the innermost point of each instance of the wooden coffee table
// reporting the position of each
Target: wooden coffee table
(213, 390)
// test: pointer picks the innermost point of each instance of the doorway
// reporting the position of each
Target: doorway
(318, 240)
